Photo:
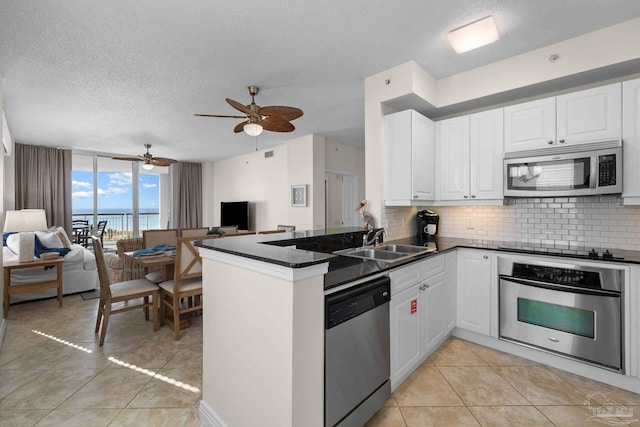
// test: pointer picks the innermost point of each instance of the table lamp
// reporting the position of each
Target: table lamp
(25, 221)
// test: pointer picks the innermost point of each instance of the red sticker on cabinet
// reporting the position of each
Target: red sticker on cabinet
(414, 305)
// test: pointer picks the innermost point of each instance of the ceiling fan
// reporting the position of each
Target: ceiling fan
(272, 118)
(149, 160)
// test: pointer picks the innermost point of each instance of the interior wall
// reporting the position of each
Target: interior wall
(2, 181)
(307, 167)
(250, 177)
(346, 158)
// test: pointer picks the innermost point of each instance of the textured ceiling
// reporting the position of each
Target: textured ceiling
(111, 76)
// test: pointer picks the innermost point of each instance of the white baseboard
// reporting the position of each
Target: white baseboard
(208, 416)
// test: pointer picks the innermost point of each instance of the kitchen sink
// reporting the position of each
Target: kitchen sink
(387, 253)
(407, 249)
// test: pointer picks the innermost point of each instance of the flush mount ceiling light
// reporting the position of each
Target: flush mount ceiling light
(474, 35)
(147, 166)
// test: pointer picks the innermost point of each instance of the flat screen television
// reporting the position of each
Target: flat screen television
(234, 213)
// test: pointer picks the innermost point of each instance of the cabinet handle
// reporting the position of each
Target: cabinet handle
(549, 142)
(485, 256)
(561, 141)
(473, 196)
(466, 197)
(415, 196)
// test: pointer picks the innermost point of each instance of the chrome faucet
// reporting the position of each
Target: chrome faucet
(375, 239)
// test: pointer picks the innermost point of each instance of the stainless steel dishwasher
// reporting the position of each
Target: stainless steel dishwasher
(357, 358)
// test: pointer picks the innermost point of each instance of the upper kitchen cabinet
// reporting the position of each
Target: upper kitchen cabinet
(470, 152)
(530, 125)
(409, 159)
(631, 142)
(580, 117)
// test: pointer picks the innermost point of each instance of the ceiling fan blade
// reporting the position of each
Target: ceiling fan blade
(218, 115)
(275, 125)
(129, 159)
(240, 127)
(287, 113)
(161, 161)
(243, 108)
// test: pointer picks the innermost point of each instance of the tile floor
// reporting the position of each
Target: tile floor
(52, 373)
(465, 384)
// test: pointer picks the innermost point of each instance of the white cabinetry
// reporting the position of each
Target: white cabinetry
(474, 291)
(470, 152)
(417, 314)
(575, 118)
(408, 158)
(451, 261)
(530, 125)
(631, 142)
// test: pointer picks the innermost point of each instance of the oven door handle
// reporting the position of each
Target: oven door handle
(561, 288)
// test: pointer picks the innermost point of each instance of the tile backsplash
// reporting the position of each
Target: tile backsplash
(599, 222)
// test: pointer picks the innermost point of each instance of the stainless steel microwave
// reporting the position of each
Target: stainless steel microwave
(577, 170)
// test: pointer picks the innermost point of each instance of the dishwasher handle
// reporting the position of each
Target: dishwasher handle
(352, 302)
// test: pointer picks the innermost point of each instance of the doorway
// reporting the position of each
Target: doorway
(341, 199)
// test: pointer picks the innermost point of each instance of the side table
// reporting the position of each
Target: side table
(22, 288)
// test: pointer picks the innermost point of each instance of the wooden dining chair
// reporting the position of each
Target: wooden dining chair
(186, 284)
(111, 293)
(190, 232)
(152, 238)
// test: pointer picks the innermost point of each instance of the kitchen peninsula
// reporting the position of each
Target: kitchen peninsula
(263, 338)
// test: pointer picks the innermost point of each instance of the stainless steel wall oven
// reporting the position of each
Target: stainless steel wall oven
(565, 308)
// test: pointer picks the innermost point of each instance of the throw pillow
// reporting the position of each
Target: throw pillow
(13, 243)
(64, 238)
(49, 239)
(5, 235)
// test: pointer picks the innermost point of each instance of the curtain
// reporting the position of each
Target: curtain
(187, 195)
(43, 181)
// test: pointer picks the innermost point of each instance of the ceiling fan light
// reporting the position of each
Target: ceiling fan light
(147, 166)
(252, 129)
(474, 35)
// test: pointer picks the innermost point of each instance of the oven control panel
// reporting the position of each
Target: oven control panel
(564, 276)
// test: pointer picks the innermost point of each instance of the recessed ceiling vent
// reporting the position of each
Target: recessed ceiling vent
(268, 154)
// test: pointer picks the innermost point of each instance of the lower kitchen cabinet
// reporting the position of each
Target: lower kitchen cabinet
(405, 333)
(474, 291)
(451, 277)
(418, 311)
(434, 300)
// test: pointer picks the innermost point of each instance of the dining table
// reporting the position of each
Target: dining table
(165, 261)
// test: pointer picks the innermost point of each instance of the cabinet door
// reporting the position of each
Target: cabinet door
(397, 158)
(486, 152)
(409, 158)
(631, 142)
(433, 300)
(453, 141)
(422, 145)
(405, 309)
(451, 278)
(590, 115)
(530, 126)
(473, 293)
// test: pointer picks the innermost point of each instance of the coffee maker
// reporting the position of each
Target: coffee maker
(427, 221)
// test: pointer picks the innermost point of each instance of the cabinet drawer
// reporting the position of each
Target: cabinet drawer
(432, 266)
(404, 277)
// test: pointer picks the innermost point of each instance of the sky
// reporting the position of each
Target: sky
(114, 191)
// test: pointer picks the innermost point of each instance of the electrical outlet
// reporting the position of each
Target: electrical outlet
(470, 223)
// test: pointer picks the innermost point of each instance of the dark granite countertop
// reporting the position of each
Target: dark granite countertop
(305, 248)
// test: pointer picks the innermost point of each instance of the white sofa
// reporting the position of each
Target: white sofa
(79, 274)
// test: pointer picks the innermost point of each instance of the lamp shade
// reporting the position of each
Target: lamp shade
(253, 129)
(25, 220)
